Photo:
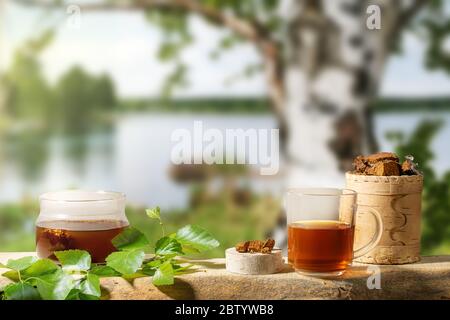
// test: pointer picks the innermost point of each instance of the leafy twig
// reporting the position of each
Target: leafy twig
(77, 278)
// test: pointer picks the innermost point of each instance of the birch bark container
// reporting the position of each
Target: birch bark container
(398, 200)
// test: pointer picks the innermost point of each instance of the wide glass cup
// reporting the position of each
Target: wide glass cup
(86, 220)
(321, 228)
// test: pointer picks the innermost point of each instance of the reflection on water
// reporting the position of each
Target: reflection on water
(134, 156)
(29, 151)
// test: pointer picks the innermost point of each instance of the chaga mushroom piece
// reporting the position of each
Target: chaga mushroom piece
(58, 238)
(384, 168)
(255, 246)
(242, 247)
(382, 156)
(409, 168)
(268, 246)
(360, 165)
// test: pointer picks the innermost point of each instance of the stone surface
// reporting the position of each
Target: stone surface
(427, 279)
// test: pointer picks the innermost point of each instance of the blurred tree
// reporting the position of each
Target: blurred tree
(73, 91)
(80, 97)
(103, 93)
(29, 98)
(322, 62)
(28, 95)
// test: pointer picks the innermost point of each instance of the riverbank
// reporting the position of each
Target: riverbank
(255, 105)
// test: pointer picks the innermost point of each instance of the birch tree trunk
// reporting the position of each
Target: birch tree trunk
(332, 75)
(333, 71)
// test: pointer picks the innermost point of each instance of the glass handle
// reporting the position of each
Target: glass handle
(376, 237)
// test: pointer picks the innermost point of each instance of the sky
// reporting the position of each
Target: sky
(125, 44)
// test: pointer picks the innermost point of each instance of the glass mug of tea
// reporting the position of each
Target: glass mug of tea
(321, 227)
(86, 220)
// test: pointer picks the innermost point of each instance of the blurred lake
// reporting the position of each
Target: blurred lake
(134, 156)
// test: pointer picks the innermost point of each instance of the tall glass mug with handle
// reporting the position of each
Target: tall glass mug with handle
(321, 228)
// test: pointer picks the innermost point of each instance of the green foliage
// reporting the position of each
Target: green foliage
(73, 106)
(194, 239)
(37, 279)
(126, 262)
(80, 97)
(77, 279)
(103, 93)
(41, 267)
(40, 43)
(55, 285)
(176, 79)
(130, 239)
(434, 25)
(20, 264)
(168, 246)
(164, 275)
(154, 213)
(91, 285)
(210, 105)
(176, 35)
(104, 271)
(436, 193)
(74, 260)
(243, 105)
(21, 291)
(29, 96)
(131, 260)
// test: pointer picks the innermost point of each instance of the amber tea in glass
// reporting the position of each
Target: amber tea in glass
(80, 220)
(321, 224)
(92, 236)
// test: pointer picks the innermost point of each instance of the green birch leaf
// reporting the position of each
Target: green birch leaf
(126, 262)
(104, 271)
(154, 263)
(21, 291)
(21, 263)
(193, 238)
(164, 274)
(39, 268)
(55, 286)
(11, 275)
(74, 260)
(74, 294)
(154, 213)
(130, 239)
(91, 285)
(168, 246)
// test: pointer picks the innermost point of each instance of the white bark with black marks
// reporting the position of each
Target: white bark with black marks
(333, 72)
